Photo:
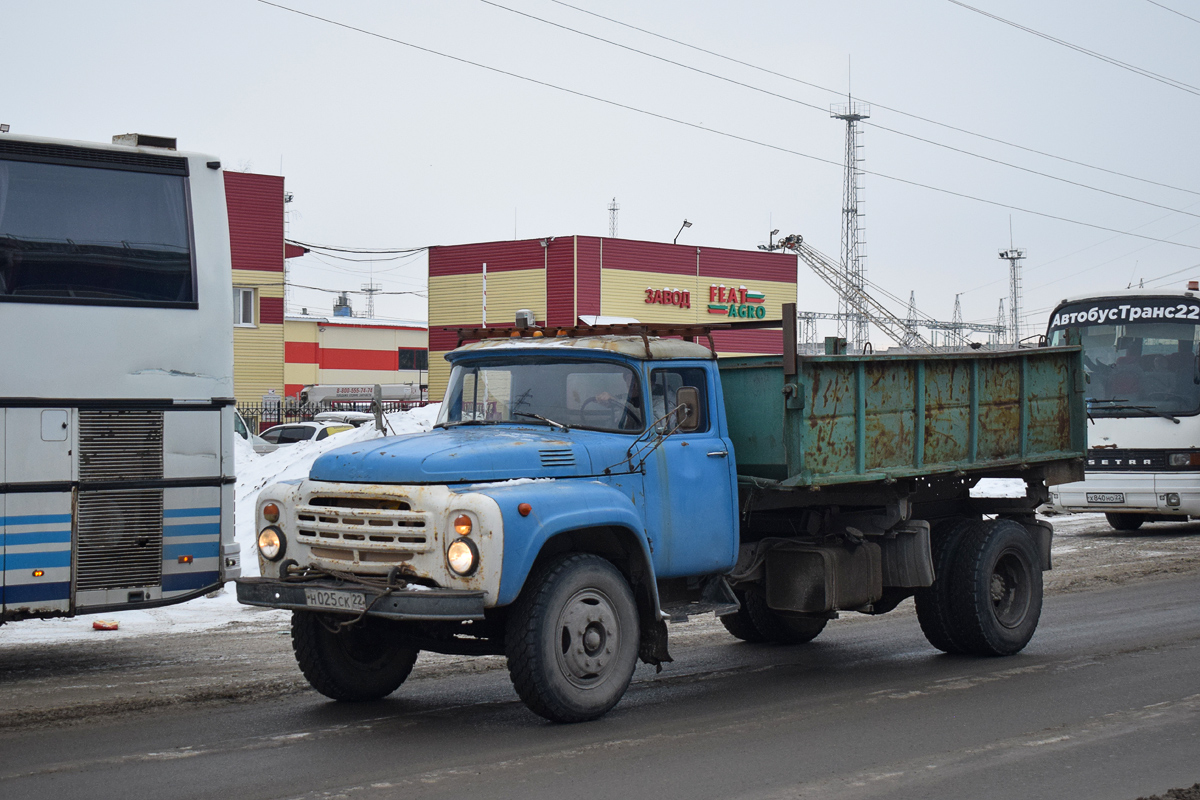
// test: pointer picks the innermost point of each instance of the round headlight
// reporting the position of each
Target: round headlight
(271, 543)
(462, 556)
(270, 512)
(462, 525)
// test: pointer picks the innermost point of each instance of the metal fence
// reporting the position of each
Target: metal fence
(260, 416)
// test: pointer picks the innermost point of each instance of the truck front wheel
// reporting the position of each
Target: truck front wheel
(776, 627)
(996, 589)
(572, 639)
(366, 661)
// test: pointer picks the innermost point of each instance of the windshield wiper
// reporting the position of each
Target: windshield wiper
(546, 420)
(467, 422)
(1150, 410)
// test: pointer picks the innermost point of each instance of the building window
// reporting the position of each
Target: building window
(243, 307)
(413, 359)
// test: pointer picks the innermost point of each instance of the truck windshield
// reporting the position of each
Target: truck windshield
(1140, 368)
(578, 394)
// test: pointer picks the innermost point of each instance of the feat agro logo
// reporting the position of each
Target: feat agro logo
(736, 302)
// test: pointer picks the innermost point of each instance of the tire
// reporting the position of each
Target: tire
(739, 623)
(1125, 522)
(996, 589)
(776, 627)
(365, 662)
(572, 639)
(934, 602)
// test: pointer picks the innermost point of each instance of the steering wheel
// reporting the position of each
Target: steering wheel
(608, 403)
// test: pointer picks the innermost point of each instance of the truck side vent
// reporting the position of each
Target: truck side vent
(119, 539)
(120, 445)
(562, 457)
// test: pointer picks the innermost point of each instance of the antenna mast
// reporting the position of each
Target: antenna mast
(1014, 256)
(613, 208)
(853, 323)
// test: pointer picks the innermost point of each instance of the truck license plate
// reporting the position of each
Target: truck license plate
(339, 601)
(1106, 497)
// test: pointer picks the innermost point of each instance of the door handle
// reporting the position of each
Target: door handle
(719, 453)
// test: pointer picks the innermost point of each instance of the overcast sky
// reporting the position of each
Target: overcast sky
(385, 145)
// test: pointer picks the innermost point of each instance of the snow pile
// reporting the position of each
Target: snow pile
(253, 472)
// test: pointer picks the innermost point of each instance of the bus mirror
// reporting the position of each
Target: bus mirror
(688, 397)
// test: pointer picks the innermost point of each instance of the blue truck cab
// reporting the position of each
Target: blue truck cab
(596, 464)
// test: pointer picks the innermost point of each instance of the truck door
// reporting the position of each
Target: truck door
(691, 474)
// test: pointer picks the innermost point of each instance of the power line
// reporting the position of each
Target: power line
(877, 104)
(769, 93)
(715, 131)
(364, 250)
(1145, 73)
(349, 291)
(1173, 11)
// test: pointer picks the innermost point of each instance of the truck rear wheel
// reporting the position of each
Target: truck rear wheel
(364, 662)
(1125, 522)
(740, 625)
(572, 639)
(996, 589)
(778, 628)
(934, 603)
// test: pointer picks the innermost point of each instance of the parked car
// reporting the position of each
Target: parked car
(292, 432)
(240, 427)
(355, 418)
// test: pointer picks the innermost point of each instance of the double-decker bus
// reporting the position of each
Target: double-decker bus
(1142, 366)
(116, 377)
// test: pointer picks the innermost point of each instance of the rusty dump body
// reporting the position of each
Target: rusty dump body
(838, 420)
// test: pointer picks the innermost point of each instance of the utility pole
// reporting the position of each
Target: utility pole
(854, 327)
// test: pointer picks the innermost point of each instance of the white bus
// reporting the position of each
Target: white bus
(1141, 363)
(116, 377)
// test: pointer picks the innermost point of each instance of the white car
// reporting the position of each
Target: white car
(292, 432)
(240, 427)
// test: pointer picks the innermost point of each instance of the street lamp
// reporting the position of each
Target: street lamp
(685, 224)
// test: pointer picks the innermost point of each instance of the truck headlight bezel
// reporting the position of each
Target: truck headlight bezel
(462, 557)
(271, 543)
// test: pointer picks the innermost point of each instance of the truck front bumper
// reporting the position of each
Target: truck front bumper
(348, 599)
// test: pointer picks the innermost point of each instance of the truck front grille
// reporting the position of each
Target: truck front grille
(120, 445)
(365, 524)
(119, 539)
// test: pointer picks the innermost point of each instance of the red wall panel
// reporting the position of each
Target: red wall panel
(468, 259)
(301, 353)
(339, 358)
(270, 310)
(588, 281)
(649, 257)
(765, 341)
(744, 265)
(560, 281)
(255, 204)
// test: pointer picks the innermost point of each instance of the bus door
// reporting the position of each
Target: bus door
(36, 511)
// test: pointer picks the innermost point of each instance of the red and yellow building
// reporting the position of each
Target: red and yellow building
(352, 351)
(568, 278)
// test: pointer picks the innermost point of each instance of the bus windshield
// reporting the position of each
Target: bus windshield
(1142, 367)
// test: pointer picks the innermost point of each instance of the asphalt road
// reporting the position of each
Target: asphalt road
(1104, 703)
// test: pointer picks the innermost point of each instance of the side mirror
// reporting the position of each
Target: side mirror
(689, 398)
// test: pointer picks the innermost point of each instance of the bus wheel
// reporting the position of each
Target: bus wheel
(934, 602)
(778, 628)
(1125, 522)
(996, 589)
(364, 662)
(739, 623)
(572, 639)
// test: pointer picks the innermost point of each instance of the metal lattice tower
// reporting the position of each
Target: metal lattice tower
(912, 320)
(1001, 324)
(370, 290)
(613, 208)
(1014, 256)
(854, 326)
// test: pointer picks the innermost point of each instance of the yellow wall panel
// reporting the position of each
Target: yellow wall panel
(623, 294)
(299, 332)
(257, 362)
(268, 283)
(439, 374)
(458, 299)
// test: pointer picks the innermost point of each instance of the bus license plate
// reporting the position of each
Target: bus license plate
(338, 601)
(1106, 497)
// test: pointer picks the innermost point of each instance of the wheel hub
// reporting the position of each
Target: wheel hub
(1010, 589)
(588, 637)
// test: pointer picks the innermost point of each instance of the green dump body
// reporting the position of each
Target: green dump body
(848, 419)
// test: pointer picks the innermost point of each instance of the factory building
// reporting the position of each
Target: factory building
(566, 280)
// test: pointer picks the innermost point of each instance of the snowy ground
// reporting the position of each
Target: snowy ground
(254, 471)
